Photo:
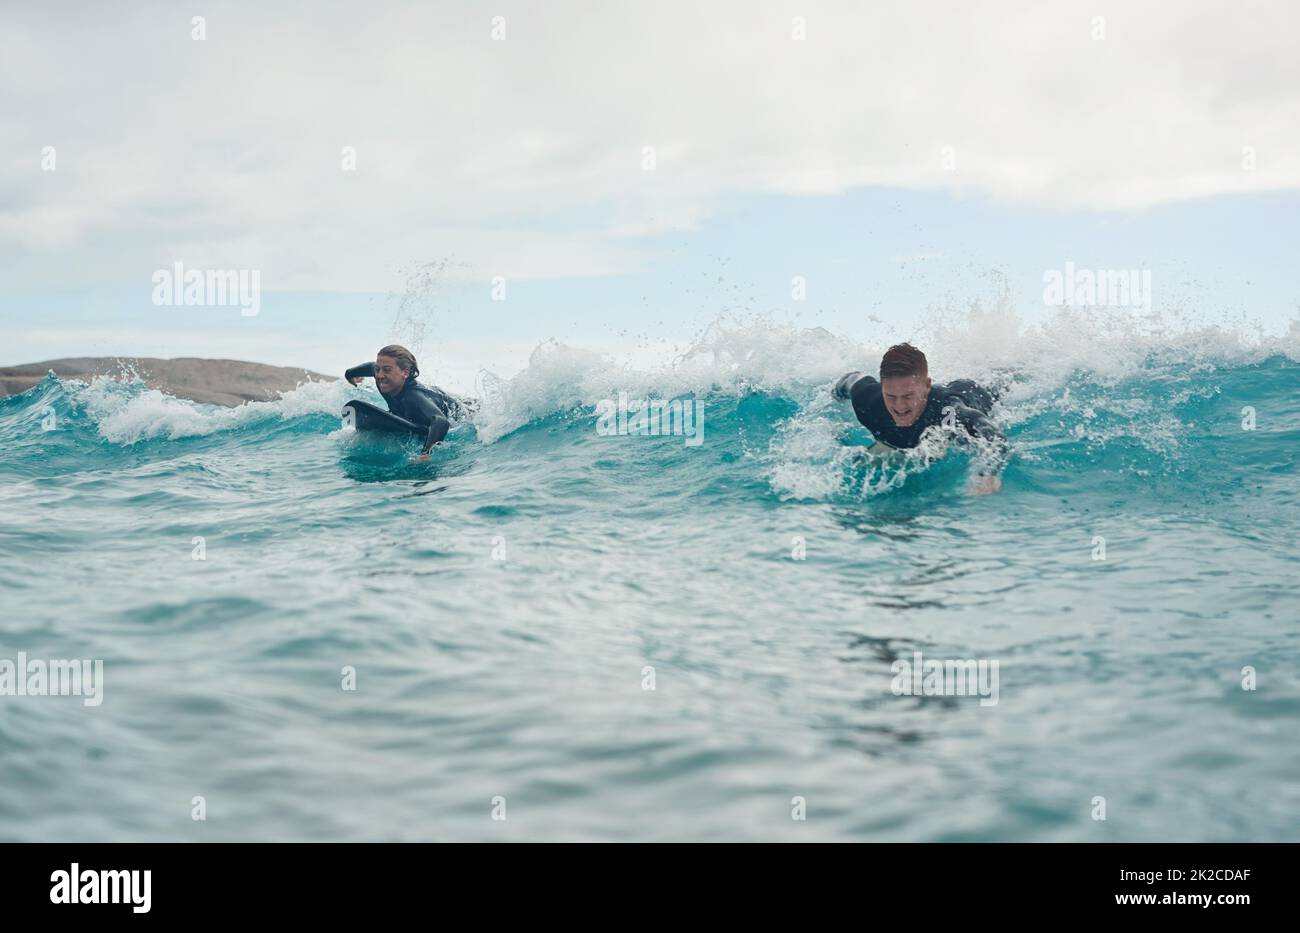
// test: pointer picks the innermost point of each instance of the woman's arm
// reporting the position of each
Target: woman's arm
(359, 372)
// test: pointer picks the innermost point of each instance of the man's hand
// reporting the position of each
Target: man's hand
(357, 380)
(423, 458)
(983, 485)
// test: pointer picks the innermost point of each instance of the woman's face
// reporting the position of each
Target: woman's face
(389, 377)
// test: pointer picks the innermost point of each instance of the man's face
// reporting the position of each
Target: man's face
(388, 376)
(905, 397)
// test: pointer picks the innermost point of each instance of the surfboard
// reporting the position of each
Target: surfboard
(366, 417)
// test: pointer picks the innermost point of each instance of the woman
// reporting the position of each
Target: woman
(394, 371)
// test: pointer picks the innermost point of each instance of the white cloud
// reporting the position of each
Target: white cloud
(524, 158)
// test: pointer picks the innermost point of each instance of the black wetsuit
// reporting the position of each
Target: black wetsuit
(970, 405)
(419, 404)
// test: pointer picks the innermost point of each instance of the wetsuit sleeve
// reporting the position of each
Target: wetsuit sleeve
(993, 452)
(438, 423)
(862, 392)
(844, 388)
(364, 369)
(858, 389)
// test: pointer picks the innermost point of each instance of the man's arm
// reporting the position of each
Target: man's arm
(359, 372)
(992, 450)
(843, 389)
(859, 389)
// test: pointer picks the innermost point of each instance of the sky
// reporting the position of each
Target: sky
(617, 175)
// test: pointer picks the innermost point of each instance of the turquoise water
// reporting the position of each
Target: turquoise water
(503, 605)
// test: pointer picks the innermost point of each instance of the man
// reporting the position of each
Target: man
(904, 404)
(394, 371)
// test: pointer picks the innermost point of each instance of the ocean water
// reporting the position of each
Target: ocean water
(559, 634)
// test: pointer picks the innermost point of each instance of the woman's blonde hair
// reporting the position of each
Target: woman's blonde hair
(405, 359)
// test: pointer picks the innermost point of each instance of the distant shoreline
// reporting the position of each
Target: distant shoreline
(215, 382)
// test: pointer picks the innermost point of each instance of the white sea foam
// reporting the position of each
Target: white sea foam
(733, 356)
(126, 411)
